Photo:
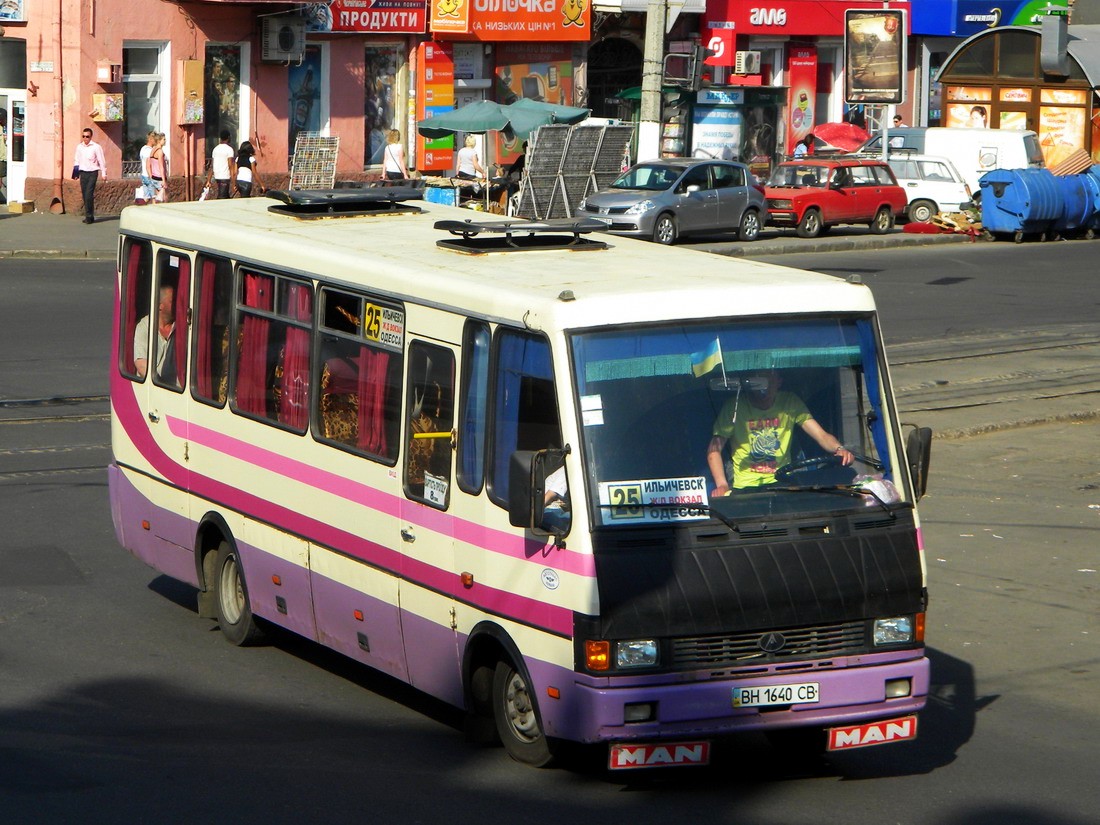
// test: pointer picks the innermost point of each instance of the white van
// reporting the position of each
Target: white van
(973, 151)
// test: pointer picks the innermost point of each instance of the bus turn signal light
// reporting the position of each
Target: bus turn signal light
(597, 655)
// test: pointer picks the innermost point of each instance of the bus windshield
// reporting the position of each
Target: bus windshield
(737, 419)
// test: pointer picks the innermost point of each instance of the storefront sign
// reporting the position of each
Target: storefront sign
(816, 18)
(721, 42)
(720, 97)
(435, 94)
(962, 18)
(802, 71)
(368, 16)
(513, 20)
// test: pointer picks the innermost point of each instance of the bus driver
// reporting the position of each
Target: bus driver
(166, 324)
(761, 422)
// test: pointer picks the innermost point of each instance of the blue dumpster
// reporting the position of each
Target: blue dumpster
(1020, 201)
(1091, 180)
(1078, 204)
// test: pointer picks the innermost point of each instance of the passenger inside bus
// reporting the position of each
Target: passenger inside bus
(166, 325)
(760, 421)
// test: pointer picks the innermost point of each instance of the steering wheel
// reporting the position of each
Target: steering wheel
(805, 465)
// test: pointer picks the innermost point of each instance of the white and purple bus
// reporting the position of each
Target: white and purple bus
(473, 454)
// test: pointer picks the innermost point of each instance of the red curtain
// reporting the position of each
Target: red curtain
(133, 273)
(204, 363)
(294, 404)
(251, 387)
(373, 368)
(179, 330)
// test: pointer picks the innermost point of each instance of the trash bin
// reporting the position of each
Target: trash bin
(1091, 179)
(1020, 202)
(1078, 204)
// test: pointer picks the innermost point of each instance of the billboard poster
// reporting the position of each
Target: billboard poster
(538, 71)
(304, 104)
(874, 56)
(716, 132)
(802, 71)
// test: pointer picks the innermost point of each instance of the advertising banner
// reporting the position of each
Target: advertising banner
(874, 56)
(716, 132)
(802, 71)
(435, 94)
(369, 16)
(529, 21)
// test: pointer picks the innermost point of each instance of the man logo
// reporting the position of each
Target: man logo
(772, 642)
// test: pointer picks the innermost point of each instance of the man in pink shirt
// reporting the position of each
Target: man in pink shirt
(89, 166)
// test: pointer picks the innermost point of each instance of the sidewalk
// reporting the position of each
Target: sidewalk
(45, 235)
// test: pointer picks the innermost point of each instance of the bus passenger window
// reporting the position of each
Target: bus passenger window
(169, 337)
(137, 287)
(273, 359)
(474, 411)
(359, 404)
(430, 410)
(214, 306)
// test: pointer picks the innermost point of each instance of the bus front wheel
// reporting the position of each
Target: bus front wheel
(231, 599)
(516, 718)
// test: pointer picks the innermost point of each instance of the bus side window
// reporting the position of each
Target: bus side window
(430, 410)
(169, 324)
(213, 307)
(473, 412)
(525, 409)
(137, 287)
(359, 403)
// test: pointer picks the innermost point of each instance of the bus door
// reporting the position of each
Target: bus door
(427, 526)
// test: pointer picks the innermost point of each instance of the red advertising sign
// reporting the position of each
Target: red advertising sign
(435, 94)
(521, 20)
(820, 18)
(722, 45)
(802, 71)
(379, 16)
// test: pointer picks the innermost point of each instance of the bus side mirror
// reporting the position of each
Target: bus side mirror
(918, 453)
(525, 493)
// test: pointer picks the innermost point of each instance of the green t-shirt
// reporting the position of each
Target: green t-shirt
(760, 439)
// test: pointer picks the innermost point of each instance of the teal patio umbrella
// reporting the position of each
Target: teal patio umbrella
(479, 116)
(526, 115)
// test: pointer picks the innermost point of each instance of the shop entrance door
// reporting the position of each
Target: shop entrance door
(13, 159)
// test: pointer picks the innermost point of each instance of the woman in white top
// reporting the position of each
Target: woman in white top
(469, 164)
(394, 157)
(246, 171)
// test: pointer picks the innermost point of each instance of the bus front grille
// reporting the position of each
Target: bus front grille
(769, 646)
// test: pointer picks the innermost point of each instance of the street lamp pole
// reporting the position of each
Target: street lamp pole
(653, 62)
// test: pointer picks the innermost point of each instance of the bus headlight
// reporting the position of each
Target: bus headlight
(893, 631)
(636, 653)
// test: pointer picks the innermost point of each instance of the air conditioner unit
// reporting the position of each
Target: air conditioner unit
(746, 63)
(284, 39)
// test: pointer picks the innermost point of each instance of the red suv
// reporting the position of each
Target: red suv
(813, 194)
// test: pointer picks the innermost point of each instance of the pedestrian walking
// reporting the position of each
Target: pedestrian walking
(88, 167)
(222, 168)
(248, 176)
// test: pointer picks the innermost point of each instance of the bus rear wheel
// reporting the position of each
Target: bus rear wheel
(235, 618)
(516, 718)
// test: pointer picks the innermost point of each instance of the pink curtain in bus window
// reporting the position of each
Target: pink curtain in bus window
(373, 366)
(204, 363)
(133, 272)
(294, 406)
(179, 331)
(252, 366)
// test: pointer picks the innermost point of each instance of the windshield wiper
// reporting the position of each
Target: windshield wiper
(836, 490)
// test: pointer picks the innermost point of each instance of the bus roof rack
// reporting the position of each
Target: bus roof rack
(520, 236)
(344, 203)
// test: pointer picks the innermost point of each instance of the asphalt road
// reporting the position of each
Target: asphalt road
(118, 704)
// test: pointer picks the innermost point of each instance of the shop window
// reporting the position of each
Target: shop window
(381, 63)
(222, 95)
(976, 59)
(143, 73)
(1018, 54)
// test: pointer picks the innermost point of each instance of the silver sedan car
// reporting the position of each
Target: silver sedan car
(666, 199)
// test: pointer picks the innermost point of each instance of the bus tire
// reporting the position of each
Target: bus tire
(231, 599)
(517, 719)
